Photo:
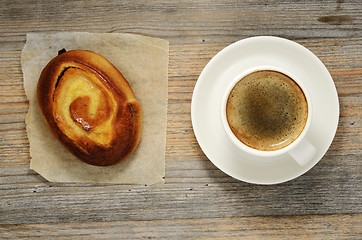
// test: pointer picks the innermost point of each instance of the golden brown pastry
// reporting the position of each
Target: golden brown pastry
(89, 107)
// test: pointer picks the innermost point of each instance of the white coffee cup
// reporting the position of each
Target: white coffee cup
(301, 149)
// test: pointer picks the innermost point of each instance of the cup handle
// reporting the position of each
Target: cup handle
(303, 152)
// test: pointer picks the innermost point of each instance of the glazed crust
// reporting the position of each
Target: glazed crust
(89, 107)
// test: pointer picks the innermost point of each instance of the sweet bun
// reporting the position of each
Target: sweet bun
(89, 107)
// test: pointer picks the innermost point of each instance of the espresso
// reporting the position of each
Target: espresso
(267, 110)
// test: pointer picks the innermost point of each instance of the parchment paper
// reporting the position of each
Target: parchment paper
(144, 63)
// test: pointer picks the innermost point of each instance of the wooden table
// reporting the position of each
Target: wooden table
(198, 200)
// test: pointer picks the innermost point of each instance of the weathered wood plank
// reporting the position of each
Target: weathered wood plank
(188, 19)
(193, 189)
(287, 227)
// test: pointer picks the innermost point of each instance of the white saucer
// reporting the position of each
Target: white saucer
(213, 81)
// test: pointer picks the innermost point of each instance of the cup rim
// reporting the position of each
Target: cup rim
(239, 144)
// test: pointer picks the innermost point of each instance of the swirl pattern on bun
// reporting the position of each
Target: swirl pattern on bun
(90, 107)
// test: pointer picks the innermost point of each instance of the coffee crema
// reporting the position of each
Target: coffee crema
(267, 110)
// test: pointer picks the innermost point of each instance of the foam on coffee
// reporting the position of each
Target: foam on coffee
(267, 110)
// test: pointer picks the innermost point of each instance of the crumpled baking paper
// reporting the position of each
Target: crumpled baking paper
(144, 63)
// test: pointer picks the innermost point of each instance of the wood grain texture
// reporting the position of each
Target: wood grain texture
(296, 227)
(198, 200)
